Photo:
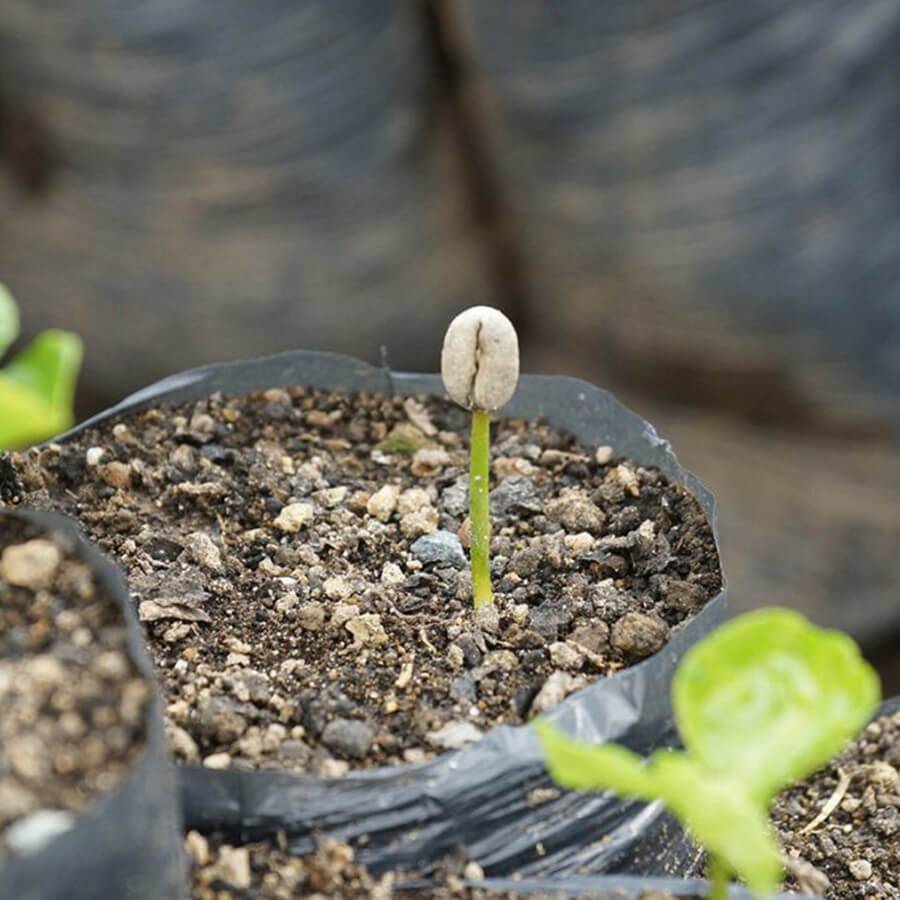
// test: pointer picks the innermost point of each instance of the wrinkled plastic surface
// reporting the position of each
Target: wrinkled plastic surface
(476, 799)
(128, 845)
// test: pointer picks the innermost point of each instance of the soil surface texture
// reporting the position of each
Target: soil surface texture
(854, 851)
(299, 560)
(263, 871)
(72, 704)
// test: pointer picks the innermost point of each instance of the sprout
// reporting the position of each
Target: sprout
(480, 368)
(762, 702)
(37, 387)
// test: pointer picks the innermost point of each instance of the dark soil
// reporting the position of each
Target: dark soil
(72, 704)
(298, 560)
(856, 849)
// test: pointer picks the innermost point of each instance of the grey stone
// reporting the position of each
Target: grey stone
(455, 499)
(349, 737)
(515, 494)
(592, 637)
(547, 618)
(462, 689)
(526, 562)
(471, 652)
(441, 547)
(685, 596)
(454, 735)
(220, 718)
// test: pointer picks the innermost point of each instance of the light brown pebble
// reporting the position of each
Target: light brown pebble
(428, 461)
(116, 474)
(383, 502)
(422, 521)
(367, 630)
(311, 616)
(233, 866)
(295, 516)
(640, 635)
(33, 564)
(197, 847)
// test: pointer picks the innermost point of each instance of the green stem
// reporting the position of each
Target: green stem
(719, 876)
(479, 511)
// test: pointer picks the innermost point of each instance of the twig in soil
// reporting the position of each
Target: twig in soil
(831, 805)
(423, 637)
(405, 676)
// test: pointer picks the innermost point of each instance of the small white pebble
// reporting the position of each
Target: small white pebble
(860, 869)
(392, 575)
(473, 872)
(217, 761)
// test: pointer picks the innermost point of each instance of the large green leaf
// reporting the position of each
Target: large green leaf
(769, 698)
(720, 812)
(9, 319)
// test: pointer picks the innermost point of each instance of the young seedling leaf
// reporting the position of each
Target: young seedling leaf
(49, 367)
(37, 389)
(9, 319)
(762, 702)
(723, 816)
(25, 418)
(594, 767)
(769, 698)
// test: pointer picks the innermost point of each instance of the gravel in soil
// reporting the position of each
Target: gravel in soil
(299, 560)
(263, 871)
(72, 704)
(854, 852)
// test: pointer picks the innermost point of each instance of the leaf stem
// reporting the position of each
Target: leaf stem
(719, 876)
(479, 511)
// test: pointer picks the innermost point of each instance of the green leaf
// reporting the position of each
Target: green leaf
(723, 816)
(9, 319)
(769, 698)
(586, 767)
(49, 367)
(37, 390)
(25, 418)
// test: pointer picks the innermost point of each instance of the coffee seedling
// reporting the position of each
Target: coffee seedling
(37, 387)
(762, 702)
(480, 368)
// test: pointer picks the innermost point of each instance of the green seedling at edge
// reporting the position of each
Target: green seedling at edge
(762, 702)
(480, 368)
(37, 387)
